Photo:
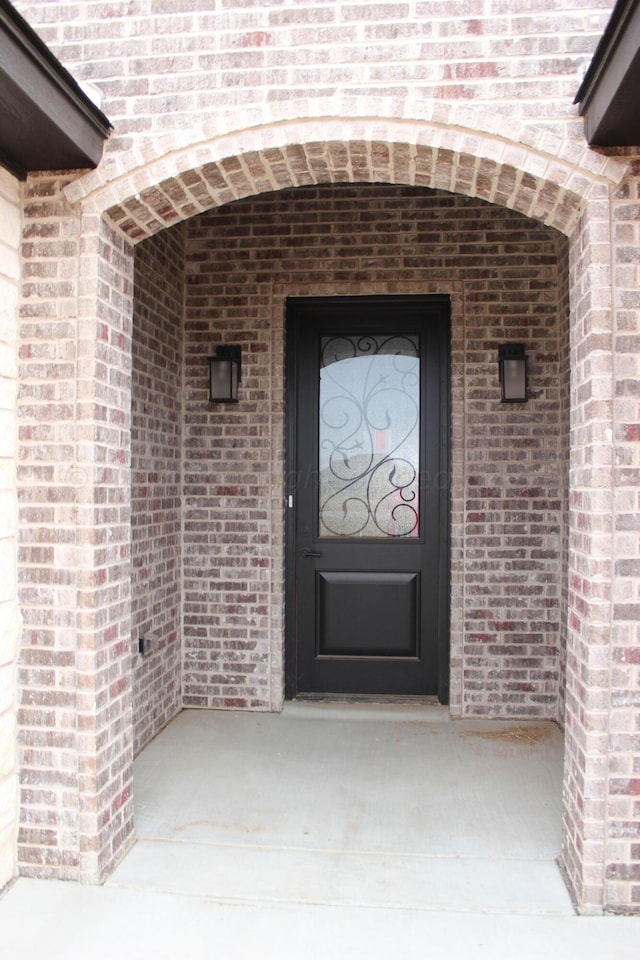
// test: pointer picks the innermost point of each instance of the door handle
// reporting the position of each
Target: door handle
(307, 553)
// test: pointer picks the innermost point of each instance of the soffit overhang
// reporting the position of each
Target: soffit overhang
(609, 96)
(46, 121)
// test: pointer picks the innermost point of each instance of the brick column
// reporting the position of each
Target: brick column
(10, 197)
(47, 486)
(622, 859)
(590, 559)
(74, 406)
(105, 733)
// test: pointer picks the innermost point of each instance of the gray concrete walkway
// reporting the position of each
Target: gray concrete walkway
(332, 831)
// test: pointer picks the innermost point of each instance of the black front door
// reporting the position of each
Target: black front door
(367, 496)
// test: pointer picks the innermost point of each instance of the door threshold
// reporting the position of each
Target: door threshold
(365, 698)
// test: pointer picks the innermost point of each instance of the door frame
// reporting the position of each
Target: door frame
(443, 481)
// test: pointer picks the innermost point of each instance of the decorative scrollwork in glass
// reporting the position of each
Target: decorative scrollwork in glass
(369, 436)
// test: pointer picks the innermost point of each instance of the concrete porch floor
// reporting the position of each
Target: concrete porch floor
(335, 830)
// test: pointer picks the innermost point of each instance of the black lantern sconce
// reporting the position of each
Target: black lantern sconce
(512, 362)
(224, 374)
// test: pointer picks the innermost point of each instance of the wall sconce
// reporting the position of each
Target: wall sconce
(512, 362)
(224, 374)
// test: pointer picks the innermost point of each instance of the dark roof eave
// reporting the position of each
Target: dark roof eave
(46, 121)
(608, 95)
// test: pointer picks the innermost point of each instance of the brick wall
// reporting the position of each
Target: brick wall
(10, 200)
(504, 273)
(157, 63)
(156, 496)
(564, 371)
(515, 468)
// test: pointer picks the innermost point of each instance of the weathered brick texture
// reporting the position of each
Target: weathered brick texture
(10, 215)
(156, 497)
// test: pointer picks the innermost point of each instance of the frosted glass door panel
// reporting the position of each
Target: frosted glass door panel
(369, 436)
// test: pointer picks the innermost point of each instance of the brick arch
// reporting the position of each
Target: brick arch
(531, 171)
(129, 199)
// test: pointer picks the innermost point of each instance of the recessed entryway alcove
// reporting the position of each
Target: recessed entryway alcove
(209, 494)
(296, 209)
(216, 474)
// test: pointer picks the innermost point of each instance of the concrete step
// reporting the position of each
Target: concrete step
(254, 873)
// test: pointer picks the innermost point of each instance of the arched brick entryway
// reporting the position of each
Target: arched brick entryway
(538, 176)
(449, 148)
